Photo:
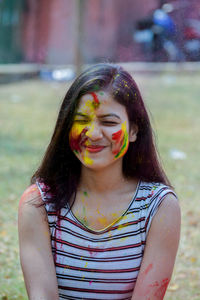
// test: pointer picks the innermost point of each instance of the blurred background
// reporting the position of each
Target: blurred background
(40, 36)
(49, 32)
(43, 46)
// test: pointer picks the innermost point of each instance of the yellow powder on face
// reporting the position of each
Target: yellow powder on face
(87, 160)
(87, 143)
(89, 108)
(74, 133)
(85, 157)
(77, 128)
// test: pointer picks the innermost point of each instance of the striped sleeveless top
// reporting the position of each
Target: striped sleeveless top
(102, 264)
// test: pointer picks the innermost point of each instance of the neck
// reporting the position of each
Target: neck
(99, 181)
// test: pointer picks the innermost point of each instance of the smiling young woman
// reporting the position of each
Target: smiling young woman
(100, 134)
(100, 220)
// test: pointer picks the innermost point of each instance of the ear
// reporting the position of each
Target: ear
(133, 133)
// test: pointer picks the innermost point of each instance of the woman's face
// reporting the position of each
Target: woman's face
(100, 132)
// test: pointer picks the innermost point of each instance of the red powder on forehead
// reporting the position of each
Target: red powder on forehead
(96, 100)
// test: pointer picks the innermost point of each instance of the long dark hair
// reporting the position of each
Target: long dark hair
(60, 169)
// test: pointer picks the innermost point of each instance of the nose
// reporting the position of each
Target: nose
(94, 132)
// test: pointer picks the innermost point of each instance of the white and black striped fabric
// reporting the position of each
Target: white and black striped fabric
(102, 264)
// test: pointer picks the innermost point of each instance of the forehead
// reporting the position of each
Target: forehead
(99, 102)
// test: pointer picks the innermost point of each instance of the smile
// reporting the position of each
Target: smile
(94, 149)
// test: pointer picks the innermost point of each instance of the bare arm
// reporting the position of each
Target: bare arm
(35, 248)
(160, 252)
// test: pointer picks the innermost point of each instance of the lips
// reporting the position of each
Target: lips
(94, 148)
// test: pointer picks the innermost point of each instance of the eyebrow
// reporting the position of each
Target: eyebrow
(101, 116)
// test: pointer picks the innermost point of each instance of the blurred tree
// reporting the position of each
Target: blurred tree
(80, 5)
(11, 15)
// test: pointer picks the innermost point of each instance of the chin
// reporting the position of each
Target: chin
(99, 165)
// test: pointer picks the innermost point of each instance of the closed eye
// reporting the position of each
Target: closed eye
(85, 121)
(81, 121)
(109, 123)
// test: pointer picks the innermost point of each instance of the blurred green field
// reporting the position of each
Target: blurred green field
(28, 112)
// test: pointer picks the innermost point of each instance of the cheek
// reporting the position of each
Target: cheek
(76, 136)
(118, 136)
(121, 142)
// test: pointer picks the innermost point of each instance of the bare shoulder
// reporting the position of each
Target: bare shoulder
(167, 221)
(35, 246)
(30, 194)
(170, 205)
(31, 202)
(32, 216)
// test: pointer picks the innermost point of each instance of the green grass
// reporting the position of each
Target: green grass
(28, 113)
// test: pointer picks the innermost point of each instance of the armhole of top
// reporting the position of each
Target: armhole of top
(42, 193)
(155, 206)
